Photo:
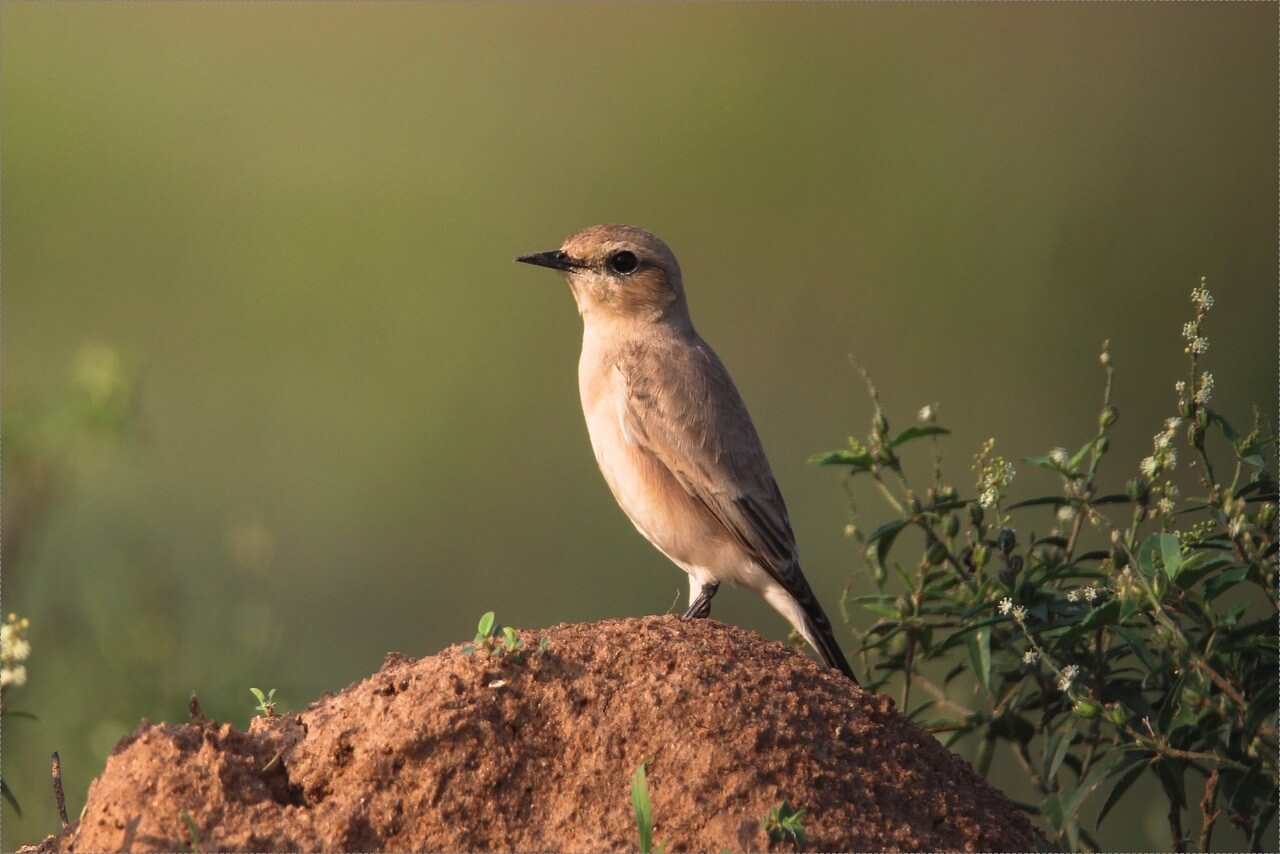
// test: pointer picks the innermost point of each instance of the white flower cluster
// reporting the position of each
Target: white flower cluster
(1196, 343)
(1206, 388)
(1069, 674)
(1164, 458)
(1007, 607)
(995, 477)
(1201, 296)
(14, 648)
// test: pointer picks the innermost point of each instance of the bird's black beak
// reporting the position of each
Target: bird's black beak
(556, 259)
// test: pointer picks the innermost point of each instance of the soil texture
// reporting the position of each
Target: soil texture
(483, 752)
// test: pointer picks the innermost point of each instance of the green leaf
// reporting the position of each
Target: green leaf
(842, 458)
(1217, 586)
(1227, 429)
(193, 830)
(980, 654)
(7, 794)
(643, 809)
(1104, 615)
(1055, 500)
(916, 432)
(1139, 647)
(485, 627)
(1266, 486)
(1101, 616)
(1080, 454)
(1043, 462)
(1171, 554)
(1012, 727)
(925, 706)
(1247, 790)
(1261, 824)
(1198, 565)
(956, 669)
(973, 627)
(785, 822)
(882, 539)
(1085, 788)
(1261, 707)
(257, 692)
(1151, 553)
(872, 597)
(1122, 785)
(888, 530)
(1250, 457)
(881, 609)
(1061, 746)
(1171, 772)
(1051, 809)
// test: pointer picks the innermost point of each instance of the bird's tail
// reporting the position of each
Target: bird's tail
(823, 640)
(794, 599)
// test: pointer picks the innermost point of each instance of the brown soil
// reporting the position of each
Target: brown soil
(476, 752)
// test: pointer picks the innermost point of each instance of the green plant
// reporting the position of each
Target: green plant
(196, 845)
(1137, 636)
(497, 639)
(644, 811)
(266, 702)
(783, 823)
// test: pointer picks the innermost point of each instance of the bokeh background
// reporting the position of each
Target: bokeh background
(277, 401)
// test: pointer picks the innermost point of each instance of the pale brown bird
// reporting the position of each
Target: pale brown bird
(671, 433)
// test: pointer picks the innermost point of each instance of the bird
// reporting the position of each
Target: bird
(672, 435)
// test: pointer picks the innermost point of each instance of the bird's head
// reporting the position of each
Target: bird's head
(619, 272)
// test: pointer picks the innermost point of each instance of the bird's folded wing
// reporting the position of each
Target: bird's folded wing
(685, 412)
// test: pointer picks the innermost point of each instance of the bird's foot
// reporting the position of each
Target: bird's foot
(700, 607)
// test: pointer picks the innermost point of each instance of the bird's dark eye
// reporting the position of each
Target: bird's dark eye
(623, 262)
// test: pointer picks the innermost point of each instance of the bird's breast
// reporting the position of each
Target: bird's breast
(655, 502)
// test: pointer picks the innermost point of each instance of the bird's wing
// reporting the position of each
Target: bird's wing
(682, 408)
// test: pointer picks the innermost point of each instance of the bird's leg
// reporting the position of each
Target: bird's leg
(700, 607)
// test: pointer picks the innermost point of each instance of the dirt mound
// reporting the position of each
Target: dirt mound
(478, 752)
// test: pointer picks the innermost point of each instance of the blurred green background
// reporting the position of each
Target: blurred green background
(284, 233)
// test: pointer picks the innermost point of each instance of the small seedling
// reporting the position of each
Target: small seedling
(497, 639)
(510, 643)
(485, 628)
(644, 812)
(783, 823)
(484, 635)
(266, 702)
(195, 831)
